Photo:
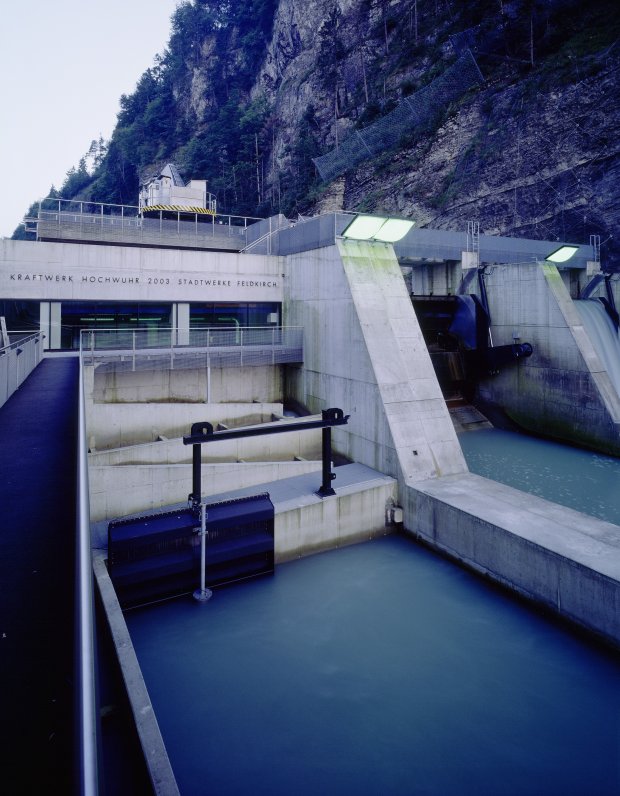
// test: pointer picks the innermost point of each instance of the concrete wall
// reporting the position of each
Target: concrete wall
(312, 525)
(562, 390)
(220, 385)
(116, 425)
(83, 272)
(273, 447)
(364, 352)
(561, 559)
(119, 491)
(433, 279)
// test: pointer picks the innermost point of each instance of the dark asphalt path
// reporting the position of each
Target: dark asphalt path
(38, 427)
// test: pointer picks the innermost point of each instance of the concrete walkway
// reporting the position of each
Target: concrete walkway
(37, 531)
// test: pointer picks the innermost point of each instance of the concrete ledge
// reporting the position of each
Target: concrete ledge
(117, 425)
(276, 447)
(155, 754)
(562, 559)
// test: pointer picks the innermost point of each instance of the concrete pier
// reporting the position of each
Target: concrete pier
(559, 558)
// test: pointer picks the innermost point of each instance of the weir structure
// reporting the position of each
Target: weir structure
(364, 350)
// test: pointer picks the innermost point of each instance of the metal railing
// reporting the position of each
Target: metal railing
(17, 361)
(173, 348)
(86, 689)
(67, 219)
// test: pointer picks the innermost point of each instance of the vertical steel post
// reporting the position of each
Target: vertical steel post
(203, 594)
(196, 475)
(326, 487)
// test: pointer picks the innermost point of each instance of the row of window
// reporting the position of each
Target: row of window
(77, 315)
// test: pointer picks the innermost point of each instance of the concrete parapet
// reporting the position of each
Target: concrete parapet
(557, 557)
(155, 754)
(215, 385)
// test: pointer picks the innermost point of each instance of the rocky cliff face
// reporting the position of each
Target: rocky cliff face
(258, 90)
(533, 151)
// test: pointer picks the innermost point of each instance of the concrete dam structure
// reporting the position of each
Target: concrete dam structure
(376, 321)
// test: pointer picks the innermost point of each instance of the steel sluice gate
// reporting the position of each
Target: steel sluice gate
(158, 556)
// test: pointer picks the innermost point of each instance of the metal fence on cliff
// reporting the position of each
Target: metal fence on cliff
(413, 111)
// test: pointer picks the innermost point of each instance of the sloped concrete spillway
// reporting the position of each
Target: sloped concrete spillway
(604, 336)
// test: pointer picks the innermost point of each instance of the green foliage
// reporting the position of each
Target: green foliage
(230, 144)
(300, 182)
(152, 128)
(331, 48)
(76, 180)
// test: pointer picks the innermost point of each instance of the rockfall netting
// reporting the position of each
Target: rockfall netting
(413, 111)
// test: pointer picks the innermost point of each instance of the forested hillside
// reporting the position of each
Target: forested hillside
(246, 94)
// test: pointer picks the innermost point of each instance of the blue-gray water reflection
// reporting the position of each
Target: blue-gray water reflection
(377, 669)
(572, 477)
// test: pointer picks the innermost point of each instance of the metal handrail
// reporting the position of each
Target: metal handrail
(17, 361)
(169, 336)
(86, 696)
(58, 207)
(21, 342)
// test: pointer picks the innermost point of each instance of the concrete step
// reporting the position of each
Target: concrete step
(466, 417)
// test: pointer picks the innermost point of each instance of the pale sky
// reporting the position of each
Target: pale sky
(63, 67)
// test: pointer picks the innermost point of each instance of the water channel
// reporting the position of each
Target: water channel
(587, 482)
(385, 669)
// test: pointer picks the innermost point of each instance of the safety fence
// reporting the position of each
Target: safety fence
(17, 361)
(65, 219)
(175, 349)
(411, 113)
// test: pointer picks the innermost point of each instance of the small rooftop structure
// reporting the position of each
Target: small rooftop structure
(166, 191)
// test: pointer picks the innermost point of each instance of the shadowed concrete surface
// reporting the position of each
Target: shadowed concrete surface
(37, 533)
(38, 427)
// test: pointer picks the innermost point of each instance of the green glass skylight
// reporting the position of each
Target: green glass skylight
(562, 254)
(386, 230)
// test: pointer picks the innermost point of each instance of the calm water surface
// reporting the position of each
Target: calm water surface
(378, 669)
(588, 482)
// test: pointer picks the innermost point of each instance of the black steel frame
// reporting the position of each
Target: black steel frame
(203, 432)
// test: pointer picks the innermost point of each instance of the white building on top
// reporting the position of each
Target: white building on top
(166, 190)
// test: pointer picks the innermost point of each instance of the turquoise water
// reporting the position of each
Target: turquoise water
(378, 669)
(588, 482)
